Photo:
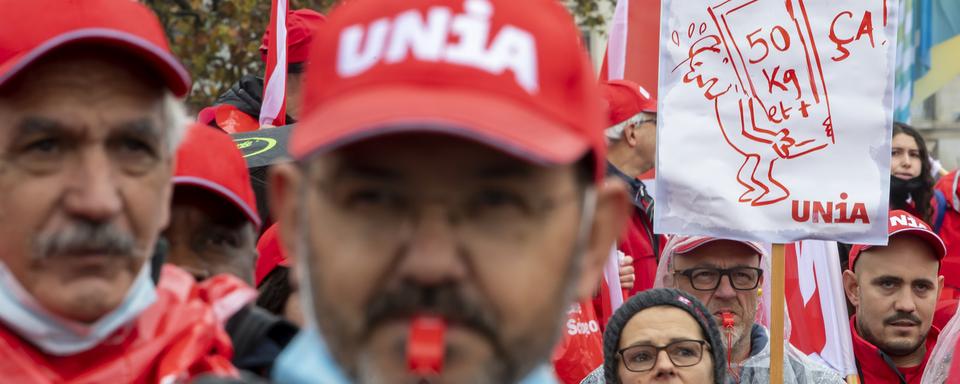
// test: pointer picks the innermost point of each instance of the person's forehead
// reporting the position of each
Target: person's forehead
(412, 156)
(660, 324)
(903, 140)
(720, 253)
(207, 208)
(89, 68)
(905, 255)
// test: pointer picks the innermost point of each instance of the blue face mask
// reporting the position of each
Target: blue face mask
(55, 335)
(307, 358)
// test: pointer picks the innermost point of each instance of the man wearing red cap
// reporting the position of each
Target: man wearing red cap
(894, 289)
(238, 109)
(90, 124)
(632, 137)
(213, 229)
(446, 204)
(727, 276)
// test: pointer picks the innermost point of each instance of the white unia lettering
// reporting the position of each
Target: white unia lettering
(411, 35)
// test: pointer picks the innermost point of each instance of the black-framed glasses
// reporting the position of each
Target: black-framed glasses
(708, 279)
(682, 353)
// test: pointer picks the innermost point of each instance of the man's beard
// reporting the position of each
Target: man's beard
(512, 359)
(894, 349)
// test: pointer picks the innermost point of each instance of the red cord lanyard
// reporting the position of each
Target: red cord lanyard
(728, 330)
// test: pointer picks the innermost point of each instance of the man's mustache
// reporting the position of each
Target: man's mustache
(85, 237)
(900, 316)
(444, 301)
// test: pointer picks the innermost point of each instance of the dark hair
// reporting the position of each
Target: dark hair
(275, 290)
(921, 197)
(657, 297)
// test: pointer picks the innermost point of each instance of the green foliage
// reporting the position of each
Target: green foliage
(218, 40)
(588, 12)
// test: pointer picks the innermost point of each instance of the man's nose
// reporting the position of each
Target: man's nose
(725, 289)
(433, 254)
(92, 190)
(905, 302)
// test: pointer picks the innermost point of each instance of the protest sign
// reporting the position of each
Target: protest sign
(775, 119)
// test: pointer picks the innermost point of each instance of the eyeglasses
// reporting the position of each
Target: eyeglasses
(682, 353)
(708, 279)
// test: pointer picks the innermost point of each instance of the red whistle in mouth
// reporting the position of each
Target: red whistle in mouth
(727, 319)
(426, 347)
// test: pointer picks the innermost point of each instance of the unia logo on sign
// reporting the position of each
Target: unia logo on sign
(427, 38)
(829, 211)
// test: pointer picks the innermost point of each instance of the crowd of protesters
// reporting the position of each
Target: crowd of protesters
(444, 203)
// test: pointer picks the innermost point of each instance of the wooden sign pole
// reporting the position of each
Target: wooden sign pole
(776, 315)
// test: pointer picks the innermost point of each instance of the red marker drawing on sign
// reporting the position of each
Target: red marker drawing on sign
(777, 90)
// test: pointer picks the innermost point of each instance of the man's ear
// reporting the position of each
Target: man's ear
(610, 216)
(630, 135)
(851, 287)
(939, 285)
(284, 184)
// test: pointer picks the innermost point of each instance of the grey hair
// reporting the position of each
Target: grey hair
(615, 132)
(175, 120)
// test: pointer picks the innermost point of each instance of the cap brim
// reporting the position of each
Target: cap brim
(485, 118)
(174, 75)
(690, 246)
(222, 191)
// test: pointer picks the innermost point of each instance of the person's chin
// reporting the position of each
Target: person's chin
(85, 298)
(901, 344)
(468, 356)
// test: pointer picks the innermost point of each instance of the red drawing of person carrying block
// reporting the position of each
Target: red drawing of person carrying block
(774, 103)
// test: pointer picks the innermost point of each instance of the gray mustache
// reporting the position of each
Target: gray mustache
(85, 238)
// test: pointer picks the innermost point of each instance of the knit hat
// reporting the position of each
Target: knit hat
(652, 298)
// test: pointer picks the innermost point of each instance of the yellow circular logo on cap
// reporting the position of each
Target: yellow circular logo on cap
(249, 142)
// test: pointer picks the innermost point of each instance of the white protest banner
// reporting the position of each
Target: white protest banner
(775, 119)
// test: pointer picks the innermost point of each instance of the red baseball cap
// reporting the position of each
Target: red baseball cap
(625, 99)
(31, 29)
(904, 222)
(301, 25)
(686, 244)
(509, 74)
(271, 255)
(208, 158)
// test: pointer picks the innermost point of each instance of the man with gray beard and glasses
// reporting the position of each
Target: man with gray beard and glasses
(89, 123)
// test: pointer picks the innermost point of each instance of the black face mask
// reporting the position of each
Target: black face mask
(901, 189)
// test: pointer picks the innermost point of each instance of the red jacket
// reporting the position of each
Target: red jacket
(950, 231)
(874, 369)
(178, 337)
(637, 241)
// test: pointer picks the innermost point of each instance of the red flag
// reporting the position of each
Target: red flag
(806, 314)
(580, 350)
(633, 46)
(819, 323)
(273, 110)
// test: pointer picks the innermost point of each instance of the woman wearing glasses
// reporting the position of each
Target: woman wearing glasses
(662, 336)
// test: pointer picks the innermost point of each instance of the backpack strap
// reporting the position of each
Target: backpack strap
(941, 209)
